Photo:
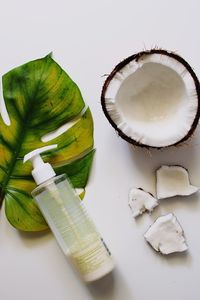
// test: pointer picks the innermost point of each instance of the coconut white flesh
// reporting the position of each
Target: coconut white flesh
(141, 201)
(153, 100)
(173, 181)
(166, 235)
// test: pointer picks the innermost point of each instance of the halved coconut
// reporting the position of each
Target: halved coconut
(141, 201)
(166, 235)
(152, 99)
(173, 181)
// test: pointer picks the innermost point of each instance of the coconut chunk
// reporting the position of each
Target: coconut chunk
(166, 235)
(173, 181)
(141, 201)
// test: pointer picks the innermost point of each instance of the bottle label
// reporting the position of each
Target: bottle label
(106, 246)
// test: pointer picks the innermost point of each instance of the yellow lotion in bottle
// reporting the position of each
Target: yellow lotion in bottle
(65, 214)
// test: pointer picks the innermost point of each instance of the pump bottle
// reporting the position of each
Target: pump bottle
(68, 220)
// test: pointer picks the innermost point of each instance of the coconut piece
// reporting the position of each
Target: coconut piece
(166, 235)
(173, 181)
(152, 99)
(141, 201)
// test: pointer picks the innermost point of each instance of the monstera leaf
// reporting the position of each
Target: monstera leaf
(40, 97)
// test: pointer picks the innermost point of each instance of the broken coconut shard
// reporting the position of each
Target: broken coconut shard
(141, 201)
(152, 99)
(166, 235)
(173, 181)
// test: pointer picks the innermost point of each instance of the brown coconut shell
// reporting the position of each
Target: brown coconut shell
(136, 57)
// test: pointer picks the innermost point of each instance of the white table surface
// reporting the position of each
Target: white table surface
(88, 38)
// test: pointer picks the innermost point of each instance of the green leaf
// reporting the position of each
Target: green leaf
(40, 97)
(78, 171)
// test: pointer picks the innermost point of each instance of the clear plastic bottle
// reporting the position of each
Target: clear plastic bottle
(65, 214)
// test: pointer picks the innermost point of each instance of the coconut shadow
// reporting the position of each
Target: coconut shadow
(191, 203)
(147, 161)
(173, 259)
(182, 258)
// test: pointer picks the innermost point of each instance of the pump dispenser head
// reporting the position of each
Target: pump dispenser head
(41, 171)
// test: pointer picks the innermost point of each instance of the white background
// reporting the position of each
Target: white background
(88, 38)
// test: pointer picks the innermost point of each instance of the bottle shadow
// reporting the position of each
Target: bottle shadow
(111, 286)
(103, 286)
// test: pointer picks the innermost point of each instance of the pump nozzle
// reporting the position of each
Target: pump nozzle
(41, 171)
